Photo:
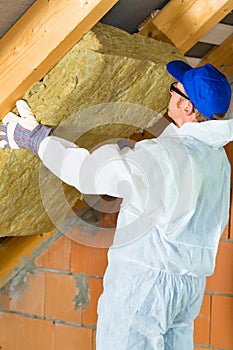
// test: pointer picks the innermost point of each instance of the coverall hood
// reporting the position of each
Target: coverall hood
(214, 133)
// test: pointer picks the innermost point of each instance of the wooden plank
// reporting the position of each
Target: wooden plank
(184, 23)
(15, 250)
(41, 37)
(221, 57)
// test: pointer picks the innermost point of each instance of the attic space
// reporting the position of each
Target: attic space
(95, 72)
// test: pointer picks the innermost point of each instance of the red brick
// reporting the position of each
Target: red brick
(229, 152)
(8, 331)
(35, 334)
(57, 256)
(89, 316)
(88, 260)
(5, 298)
(221, 322)
(94, 340)
(202, 323)
(24, 333)
(60, 292)
(231, 213)
(222, 280)
(30, 300)
(226, 232)
(72, 338)
(112, 205)
(91, 236)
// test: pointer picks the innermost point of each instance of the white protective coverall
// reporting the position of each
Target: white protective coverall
(175, 191)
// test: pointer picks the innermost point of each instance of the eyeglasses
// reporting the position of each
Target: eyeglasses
(175, 89)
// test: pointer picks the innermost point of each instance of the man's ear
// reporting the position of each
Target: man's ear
(188, 108)
(189, 112)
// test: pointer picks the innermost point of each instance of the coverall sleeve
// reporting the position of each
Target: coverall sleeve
(100, 172)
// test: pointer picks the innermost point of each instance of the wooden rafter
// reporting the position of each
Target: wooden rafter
(41, 37)
(184, 23)
(18, 249)
(221, 57)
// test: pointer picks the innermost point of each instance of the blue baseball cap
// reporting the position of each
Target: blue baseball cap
(206, 87)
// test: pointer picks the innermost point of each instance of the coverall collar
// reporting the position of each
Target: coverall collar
(215, 133)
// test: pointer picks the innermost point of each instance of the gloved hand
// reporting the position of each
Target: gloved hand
(24, 131)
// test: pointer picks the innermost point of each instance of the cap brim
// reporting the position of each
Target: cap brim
(177, 69)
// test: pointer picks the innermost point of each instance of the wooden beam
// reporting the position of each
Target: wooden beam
(221, 57)
(18, 249)
(40, 38)
(15, 252)
(184, 23)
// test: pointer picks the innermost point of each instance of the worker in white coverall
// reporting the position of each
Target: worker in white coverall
(175, 191)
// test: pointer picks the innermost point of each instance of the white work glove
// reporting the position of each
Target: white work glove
(24, 131)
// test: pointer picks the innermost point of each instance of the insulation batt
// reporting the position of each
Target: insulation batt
(107, 65)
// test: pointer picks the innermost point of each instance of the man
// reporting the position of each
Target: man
(175, 191)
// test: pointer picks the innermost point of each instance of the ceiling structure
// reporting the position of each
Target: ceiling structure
(11, 11)
(128, 15)
(35, 35)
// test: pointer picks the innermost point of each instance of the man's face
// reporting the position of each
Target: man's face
(178, 105)
(175, 100)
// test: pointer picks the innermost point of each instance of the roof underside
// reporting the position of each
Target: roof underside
(127, 15)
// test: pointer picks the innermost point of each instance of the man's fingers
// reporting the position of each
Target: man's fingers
(24, 110)
(3, 136)
(7, 135)
(3, 132)
(10, 117)
(4, 144)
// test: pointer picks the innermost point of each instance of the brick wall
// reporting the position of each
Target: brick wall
(43, 312)
(53, 306)
(213, 327)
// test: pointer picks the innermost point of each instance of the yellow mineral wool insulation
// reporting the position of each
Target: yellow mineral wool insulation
(107, 69)
(108, 64)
